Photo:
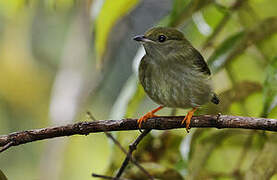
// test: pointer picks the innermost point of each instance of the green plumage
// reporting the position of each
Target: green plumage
(173, 73)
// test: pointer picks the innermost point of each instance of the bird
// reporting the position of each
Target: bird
(173, 73)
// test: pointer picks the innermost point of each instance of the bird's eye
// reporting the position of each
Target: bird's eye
(162, 38)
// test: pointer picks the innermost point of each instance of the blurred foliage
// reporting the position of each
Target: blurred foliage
(270, 88)
(156, 170)
(237, 38)
(219, 57)
(110, 12)
(2, 176)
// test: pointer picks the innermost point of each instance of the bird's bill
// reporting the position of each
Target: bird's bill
(141, 38)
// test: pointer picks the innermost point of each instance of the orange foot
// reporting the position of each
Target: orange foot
(147, 116)
(188, 118)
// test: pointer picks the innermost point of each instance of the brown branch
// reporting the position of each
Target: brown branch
(127, 154)
(160, 123)
(117, 143)
(132, 147)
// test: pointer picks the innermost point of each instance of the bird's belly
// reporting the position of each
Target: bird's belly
(177, 89)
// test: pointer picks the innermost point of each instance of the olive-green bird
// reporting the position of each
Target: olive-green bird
(173, 73)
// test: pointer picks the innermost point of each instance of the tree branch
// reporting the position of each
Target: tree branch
(109, 135)
(105, 177)
(132, 147)
(117, 143)
(160, 123)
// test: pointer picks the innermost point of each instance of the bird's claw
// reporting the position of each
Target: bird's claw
(147, 116)
(144, 119)
(187, 121)
(188, 118)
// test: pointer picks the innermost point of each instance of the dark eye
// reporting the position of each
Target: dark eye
(162, 38)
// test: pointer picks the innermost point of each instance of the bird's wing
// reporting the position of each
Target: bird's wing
(201, 63)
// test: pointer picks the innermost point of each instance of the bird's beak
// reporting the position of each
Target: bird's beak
(141, 38)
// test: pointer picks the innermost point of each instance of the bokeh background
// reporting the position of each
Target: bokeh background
(62, 58)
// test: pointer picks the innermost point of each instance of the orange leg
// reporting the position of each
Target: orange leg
(148, 115)
(188, 118)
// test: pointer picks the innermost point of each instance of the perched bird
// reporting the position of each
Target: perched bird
(173, 73)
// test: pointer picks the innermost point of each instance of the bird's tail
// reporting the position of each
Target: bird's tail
(215, 99)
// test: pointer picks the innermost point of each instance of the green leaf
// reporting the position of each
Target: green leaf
(178, 7)
(108, 16)
(11, 8)
(2, 176)
(237, 44)
(270, 88)
(182, 10)
(221, 54)
(135, 101)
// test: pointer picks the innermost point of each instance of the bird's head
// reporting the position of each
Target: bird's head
(162, 40)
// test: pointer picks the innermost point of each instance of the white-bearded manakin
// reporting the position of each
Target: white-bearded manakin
(173, 73)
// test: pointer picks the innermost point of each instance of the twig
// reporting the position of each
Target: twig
(105, 177)
(132, 147)
(131, 158)
(161, 123)
(228, 13)
(6, 146)
(245, 148)
(101, 176)
(109, 135)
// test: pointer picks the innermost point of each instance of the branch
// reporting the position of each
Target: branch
(132, 147)
(104, 177)
(109, 135)
(160, 123)
(117, 143)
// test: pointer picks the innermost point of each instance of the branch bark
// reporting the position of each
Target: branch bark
(160, 123)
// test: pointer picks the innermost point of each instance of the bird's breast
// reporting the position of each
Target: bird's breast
(174, 84)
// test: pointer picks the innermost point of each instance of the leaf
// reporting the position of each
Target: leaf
(2, 176)
(135, 101)
(201, 24)
(11, 8)
(237, 43)
(178, 7)
(108, 16)
(270, 88)
(183, 11)
(221, 54)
